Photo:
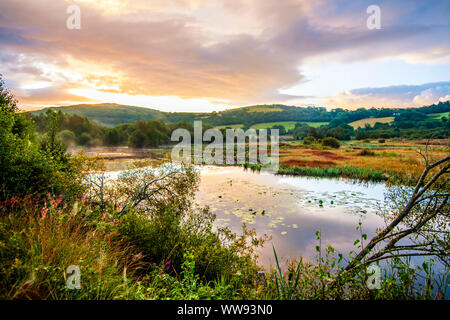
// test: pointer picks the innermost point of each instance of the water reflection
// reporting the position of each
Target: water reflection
(291, 209)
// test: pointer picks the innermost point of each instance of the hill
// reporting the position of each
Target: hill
(110, 114)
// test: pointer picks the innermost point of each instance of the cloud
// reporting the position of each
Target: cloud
(393, 96)
(241, 52)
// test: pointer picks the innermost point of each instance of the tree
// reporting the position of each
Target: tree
(112, 137)
(28, 167)
(421, 217)
(67, 136)
(84, 139)
(138, 139)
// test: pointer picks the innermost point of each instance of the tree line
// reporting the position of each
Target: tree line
(76, 129)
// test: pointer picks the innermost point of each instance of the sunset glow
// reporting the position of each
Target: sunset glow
(195, 55)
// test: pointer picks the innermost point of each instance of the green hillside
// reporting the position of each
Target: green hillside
(288, 125)
(258, 116)
(440, 115)
(110, 114)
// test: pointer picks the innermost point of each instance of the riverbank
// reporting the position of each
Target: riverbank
(398, 162)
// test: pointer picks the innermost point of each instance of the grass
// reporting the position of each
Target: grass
(366, 174)
(232, 126)
(165, 250)
(371, 121)
(264, 109)
(375, 161)
(36, 246)
(288, 125)
(172, 253)
(439, 115)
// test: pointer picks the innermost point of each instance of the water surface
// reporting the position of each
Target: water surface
(291, 209)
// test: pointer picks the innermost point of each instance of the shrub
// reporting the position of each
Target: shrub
(331, 142)
(84, 139)
(67, 136)
(39, 242)
(381, 140)
(366, 152)
(164, 232)
(309, 140)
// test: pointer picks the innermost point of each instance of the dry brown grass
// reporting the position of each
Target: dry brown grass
(399, 159)
(361, 123)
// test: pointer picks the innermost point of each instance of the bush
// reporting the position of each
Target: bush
(164, 232)
(381, 140)
(331, 142)
(159, 249)
(67, 136)
(40, 241)
(366, 152)
(84, 139)
(309, 140)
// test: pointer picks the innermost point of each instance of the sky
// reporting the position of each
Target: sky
(205, 55)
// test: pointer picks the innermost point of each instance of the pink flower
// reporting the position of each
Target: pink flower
(83, 198)
(44, 212)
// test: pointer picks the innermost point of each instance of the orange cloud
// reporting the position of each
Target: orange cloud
(239, 52)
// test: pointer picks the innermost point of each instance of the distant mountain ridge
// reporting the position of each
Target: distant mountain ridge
(111, 114)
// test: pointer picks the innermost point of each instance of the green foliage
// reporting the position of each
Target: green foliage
(331, 142)
(67, 136)
(38, 243)
(366, 152)
(113, 115)
(309, 140)
(138, 139)
(85, 139)
(30, 167)
(358, 173)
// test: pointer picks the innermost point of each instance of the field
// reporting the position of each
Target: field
(288, 125)
(366, 161)
(439, 115)
(361, 123)
(264, 109)
(232, 126)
